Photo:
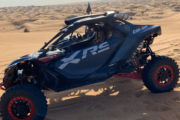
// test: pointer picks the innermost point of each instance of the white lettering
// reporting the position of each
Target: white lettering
(102, 47)
(71, 57)
(137, 30)
(100, 51)
(76, 61)
(70, 60)
(140, 29)
(91, 49)
(144, 27)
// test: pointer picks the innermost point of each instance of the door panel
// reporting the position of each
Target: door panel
(86, 61)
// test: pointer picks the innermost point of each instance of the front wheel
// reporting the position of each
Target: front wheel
(160, 74)
(23, 102)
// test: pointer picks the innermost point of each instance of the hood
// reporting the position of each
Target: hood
(24, 58)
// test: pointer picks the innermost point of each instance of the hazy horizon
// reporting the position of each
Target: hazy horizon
(12, 3)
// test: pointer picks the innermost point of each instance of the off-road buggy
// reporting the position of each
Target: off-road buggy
(110, 46)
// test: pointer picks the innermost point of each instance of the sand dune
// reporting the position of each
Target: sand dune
(15, 19)
(114, 99)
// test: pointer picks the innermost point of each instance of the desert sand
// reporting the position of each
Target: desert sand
(114, 99)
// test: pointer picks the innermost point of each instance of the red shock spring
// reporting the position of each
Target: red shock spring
(136, 63)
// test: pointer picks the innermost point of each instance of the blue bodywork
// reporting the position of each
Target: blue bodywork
(89, 64)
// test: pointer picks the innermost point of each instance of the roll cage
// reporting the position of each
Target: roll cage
(75, 23)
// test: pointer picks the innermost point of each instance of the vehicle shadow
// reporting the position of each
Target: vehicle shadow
(113, 99)
(108, 90)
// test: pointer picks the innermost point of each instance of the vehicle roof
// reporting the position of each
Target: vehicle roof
(109, 14)
(75, 23)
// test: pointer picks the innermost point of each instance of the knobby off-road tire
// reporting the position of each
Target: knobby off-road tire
(160, 74)
(23, 101)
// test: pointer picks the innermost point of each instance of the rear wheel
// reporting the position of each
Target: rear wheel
(160, 74)
(23, 102)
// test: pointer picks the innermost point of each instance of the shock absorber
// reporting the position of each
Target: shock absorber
(134, 58)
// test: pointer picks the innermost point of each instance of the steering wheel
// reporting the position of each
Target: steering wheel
(79, 37)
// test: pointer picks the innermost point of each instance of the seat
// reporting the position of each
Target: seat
(83, 44)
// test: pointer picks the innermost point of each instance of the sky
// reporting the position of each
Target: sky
(10, 3)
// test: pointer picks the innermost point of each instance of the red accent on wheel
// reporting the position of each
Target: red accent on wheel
(22, 99)
(171, 75)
